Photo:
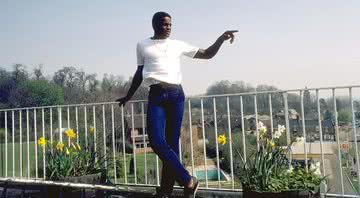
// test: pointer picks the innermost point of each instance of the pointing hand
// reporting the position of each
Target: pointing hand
(229, 35)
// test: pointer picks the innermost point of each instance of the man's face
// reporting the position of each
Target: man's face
(163, 28)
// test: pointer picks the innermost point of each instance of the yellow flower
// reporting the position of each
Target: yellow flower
(271, 143)
(42, 141)
(70, 133)
(78, 146)
(262, 129)
(221, 139)
(60, 146)
(92, 129)
(67, 151)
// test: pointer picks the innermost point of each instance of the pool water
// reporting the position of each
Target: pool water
(211, 174)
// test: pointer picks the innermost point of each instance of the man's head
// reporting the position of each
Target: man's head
(161, 23)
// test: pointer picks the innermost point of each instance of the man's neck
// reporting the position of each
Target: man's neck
(158, 37)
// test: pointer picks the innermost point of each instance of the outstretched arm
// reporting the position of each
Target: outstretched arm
(134, 86)
(214, 48)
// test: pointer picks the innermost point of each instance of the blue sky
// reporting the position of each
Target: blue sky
(289, 44)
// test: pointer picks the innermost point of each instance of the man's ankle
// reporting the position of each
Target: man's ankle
(190, 184)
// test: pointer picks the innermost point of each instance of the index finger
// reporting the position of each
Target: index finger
(232, 31)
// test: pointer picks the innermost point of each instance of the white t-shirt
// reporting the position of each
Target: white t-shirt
(161, 59)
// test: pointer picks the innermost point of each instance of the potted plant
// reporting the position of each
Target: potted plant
(269, 173)
(69, 162)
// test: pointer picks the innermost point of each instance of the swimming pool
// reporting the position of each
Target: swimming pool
(211, 174)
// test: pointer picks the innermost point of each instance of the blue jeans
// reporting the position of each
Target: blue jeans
(164, 117)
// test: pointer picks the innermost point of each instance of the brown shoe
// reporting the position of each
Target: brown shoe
(191, 192)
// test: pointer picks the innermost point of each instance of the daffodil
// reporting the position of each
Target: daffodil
(92, 129)
(41, 141)
(60, 146)
(70, 133)
(280, 130)
(221, 139)
(67, 151)
(271, 143)
(262, 129)
(316, 168)
(290, 170)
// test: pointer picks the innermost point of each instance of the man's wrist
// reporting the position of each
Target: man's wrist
(221, 39)
(127, 97)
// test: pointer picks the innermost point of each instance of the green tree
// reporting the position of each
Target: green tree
(38, 72)
(344, 116)
(6, 85)
(20, 73)
(328, 115)
(37, 93)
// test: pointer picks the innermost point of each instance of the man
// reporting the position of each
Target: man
(158, 59)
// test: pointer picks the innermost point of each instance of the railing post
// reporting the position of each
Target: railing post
(271, 117)
(6, 146)
(13, 141)
(68, 122)
(123, 142)
(94, 128)
(104, 135)
(28, 143)
(243, 128)
(321, 133)
(338, 142)
(133, 141)
(86, 129)
(355, 138)
(20, 143)
(256, 123)
(43, 135)
(60, 124)
(217, 145)
(191, 139)
(144, 141)
(204, 142)
(77, 124)
(230, 144)
(303, 127)
(113, 142)
(35, 145)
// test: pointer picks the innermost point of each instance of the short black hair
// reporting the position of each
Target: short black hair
(156, 20)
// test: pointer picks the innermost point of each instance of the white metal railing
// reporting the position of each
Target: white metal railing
(212, 115)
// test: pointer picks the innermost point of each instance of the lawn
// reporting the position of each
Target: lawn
(353, 180)
(140, 168)
(16, 162)
(140, 163)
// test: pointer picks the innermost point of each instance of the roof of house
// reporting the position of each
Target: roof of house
(314, 148)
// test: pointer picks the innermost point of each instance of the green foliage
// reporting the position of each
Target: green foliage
(328, 115)
(258, 171)
(224, 151)
(71, 160)
(298, 179)
(75, 163)
(40, 93)
(344, 116)
(268, 168)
